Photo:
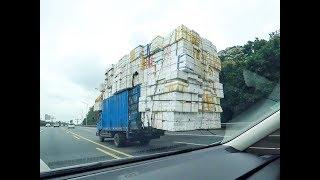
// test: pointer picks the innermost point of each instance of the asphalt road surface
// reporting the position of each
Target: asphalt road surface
(62, 147)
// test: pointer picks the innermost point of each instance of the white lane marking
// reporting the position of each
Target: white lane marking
(87, 130)
(76, 137)
(264, 148)
(173, 134)
(274, 135)
(191, 143)
(108, 153)
(43, 166)
(128, 155)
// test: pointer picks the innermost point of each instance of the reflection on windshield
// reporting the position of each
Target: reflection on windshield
(266, 106)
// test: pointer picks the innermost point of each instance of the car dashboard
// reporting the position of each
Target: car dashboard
(218, 162)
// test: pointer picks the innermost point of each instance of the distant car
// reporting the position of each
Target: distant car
(71, 126)
(48, 125)
(56, 125)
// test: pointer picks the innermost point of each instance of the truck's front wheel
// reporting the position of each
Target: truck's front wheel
(119, 139)
(145, 141)
(101, 139)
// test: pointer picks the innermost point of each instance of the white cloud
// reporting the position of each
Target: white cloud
(80, 38)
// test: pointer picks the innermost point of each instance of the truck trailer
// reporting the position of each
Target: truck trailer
(121, 120)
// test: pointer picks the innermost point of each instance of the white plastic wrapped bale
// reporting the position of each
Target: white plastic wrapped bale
(177, 96)
(218, 108)
(173, 106)
(169, 38)
(183, 47)
(208, 97)
(210, 116)
(211, 74)
(134, 65)
(209, 120)
(180, 86)
(185, 60)
(156, 44)
(136, 53)
(179, 125)
(173, 50)
(188, 64)
(182, 32)
(109, 75)
(208, 46)
(172, 86)
(171, 73)
(98, 103)
(219, 93)
(107, 93)
(108, 83)
(208, 107)
(135, 73)
(109, 70)
(172, 121)
(218, 85)
(210, 124)
(114, 89)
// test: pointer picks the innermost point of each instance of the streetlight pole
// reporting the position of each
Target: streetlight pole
(86, 108)
(87, 105)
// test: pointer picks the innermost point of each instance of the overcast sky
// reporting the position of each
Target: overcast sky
(79, 39)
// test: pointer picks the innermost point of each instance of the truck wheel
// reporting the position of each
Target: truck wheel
(119, 139)
(145, 141)
(101, 139)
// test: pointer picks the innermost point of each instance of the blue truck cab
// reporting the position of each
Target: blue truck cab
(120, 119)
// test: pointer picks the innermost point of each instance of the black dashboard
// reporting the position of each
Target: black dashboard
(219, 162)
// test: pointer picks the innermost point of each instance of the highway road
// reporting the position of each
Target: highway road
(61, 147)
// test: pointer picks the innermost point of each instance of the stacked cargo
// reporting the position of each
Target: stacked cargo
(98, 103)
(179, 80)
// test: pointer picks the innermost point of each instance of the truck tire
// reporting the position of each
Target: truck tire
(119, 139)
(145, 141)
(101, 139)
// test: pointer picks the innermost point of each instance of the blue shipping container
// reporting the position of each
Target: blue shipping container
(120, 111)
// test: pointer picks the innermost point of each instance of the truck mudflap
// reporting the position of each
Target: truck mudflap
(149, 133)
(153, 135)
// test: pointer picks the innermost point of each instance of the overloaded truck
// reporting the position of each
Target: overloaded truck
(178, 78)
(121, 120)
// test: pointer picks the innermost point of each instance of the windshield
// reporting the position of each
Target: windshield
(147, 78)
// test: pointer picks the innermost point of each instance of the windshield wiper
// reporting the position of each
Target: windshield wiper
(107, 164)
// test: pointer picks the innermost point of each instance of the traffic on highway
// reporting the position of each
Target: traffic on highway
(63, 147)
(122, 86)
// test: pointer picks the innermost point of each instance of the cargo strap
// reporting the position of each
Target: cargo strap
(148, 50)
(155, 89)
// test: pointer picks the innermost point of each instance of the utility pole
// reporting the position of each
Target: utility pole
(86, 109)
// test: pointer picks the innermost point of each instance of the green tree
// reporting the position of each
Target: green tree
(260, 57)
(92, 117)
